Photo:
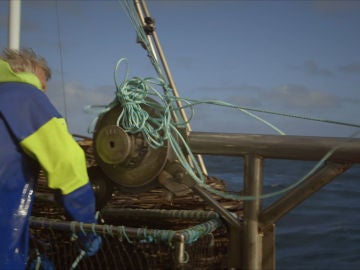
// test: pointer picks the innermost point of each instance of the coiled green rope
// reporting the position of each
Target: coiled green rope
(133, 95)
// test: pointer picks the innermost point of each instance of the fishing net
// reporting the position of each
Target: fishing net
(146, 230)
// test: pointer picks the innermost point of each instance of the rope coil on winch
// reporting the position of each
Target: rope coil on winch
(133, 95)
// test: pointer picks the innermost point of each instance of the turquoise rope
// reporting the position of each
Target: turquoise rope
(132, 93)
(123, 233)
(78, 259)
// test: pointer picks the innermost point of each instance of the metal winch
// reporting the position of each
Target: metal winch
(127, 159)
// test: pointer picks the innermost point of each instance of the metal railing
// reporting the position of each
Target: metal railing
(253, 246)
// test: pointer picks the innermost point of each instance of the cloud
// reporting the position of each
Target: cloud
(291, 99)
(245, 101)
(244, 88)
(313, 69)
(350, 68)
(310, 67)
(72, 101)
(297, 96)
(287, 98)
(335, 6)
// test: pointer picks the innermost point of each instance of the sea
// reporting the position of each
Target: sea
(323, 232)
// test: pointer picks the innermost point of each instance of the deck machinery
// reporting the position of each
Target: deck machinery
(154, 234)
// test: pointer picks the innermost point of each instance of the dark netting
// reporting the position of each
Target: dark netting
(133, 228)
(115, 253)
(126, 247)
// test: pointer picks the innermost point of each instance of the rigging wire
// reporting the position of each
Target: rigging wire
(61, 58)
(134, 92)
(131, 93)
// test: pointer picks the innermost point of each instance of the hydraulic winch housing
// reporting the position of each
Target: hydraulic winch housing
(127, 159)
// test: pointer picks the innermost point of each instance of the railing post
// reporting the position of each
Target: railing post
(180, 258)
(252, 242)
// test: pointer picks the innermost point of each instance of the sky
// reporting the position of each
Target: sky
(291, 57)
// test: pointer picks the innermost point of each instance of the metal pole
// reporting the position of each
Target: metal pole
(14, 24)
(171, 82)
(180, 252)
(142, 19)
(293, 198)
(275, 146)
(252, 247)
(234, 248)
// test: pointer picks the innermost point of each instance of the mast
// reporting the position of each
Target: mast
(143, 12)
(14, 24)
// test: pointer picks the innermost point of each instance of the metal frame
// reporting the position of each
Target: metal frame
(143, 13)
(14, 24)
(256, 242)
(257, 245)
(180, 237)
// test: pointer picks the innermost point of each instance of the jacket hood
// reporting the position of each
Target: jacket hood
(7, 75)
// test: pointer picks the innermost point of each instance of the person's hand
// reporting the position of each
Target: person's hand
(90, 243)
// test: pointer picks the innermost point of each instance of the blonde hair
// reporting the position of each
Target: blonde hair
(25, 60)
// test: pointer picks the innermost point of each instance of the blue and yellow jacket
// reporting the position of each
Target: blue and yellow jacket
(33, 133)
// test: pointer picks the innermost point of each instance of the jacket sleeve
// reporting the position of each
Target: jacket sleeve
(59, 155)
(64, 162)
(43, 135)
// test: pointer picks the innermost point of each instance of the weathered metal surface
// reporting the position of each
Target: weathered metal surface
(126, 158)
(251, 243)
(304, 190)
(133, 239)
(258, 246)
(275, 146)
(113, 144)
(253, 177)
(268, 248)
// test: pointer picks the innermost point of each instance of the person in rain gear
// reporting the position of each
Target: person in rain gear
(32, 135)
